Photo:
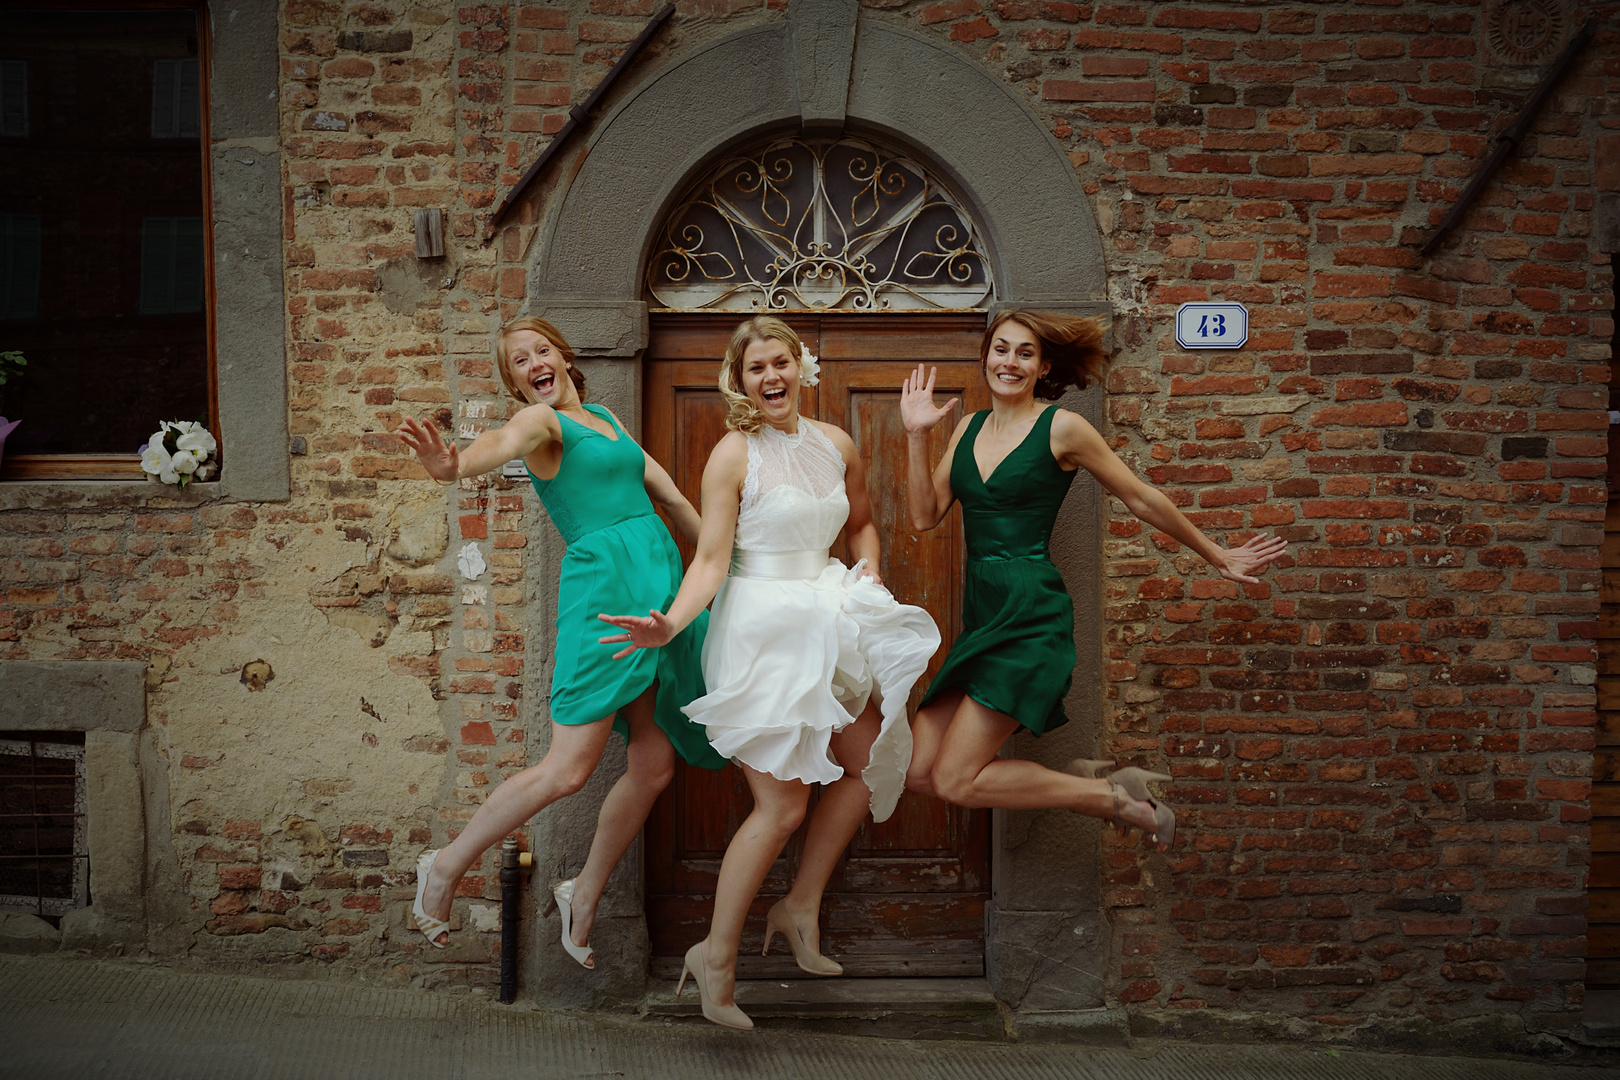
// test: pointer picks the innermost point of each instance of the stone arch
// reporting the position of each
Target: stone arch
(825, 71)
(822, 69)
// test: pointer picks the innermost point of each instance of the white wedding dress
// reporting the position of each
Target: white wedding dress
(798, 643)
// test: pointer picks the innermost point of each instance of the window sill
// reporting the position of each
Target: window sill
(104, 494)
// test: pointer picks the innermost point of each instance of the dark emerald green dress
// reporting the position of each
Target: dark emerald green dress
(620, 559)
(1016, 650)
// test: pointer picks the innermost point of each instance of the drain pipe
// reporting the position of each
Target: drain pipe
(513, 863)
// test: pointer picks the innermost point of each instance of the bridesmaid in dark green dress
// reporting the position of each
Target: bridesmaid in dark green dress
(599, 487)
(1010, 467)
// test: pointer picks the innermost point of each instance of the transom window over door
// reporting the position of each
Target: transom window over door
(104, 272)
(819, 225)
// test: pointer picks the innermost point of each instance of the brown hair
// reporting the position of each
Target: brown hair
(1071, 346)
(552, 334)
(744, 417)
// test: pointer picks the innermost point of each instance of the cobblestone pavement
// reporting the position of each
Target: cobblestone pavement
(83, 1018)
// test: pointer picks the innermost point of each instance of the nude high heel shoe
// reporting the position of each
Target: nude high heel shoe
(777, 921)
(727, 1016)
(564, 895)
(431, 927)
(1133, 781)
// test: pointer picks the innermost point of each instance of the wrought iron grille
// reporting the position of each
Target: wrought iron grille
(843, 225)
(44, 864)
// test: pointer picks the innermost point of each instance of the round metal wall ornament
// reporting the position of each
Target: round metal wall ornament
(819, 225)
(1526, 32)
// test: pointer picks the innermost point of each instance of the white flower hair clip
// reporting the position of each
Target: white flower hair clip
(809, 367)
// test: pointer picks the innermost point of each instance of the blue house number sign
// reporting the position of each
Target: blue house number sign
(1212, 325)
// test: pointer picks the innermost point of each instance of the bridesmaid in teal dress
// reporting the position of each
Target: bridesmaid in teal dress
(1010, 467)
(595, 483)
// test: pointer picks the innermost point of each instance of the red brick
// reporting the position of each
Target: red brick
(948, 10)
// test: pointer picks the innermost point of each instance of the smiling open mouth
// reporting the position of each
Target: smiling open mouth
(774, 396)
(545, 382)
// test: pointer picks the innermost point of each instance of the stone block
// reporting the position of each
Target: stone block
(21, 933)
(1084, 1027)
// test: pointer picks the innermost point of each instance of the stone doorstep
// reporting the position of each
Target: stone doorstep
(1600, 1019)
(888, 1008)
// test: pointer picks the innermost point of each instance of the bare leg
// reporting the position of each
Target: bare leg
(778, 810)
(928, 730)
(624, 811)
(575, 750)
(968, 773)
(843, 806)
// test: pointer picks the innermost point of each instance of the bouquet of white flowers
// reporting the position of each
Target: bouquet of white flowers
(179, 452)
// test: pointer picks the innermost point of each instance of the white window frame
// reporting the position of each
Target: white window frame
(176, 99)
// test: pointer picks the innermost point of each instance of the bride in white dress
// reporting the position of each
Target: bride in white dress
(808, 663)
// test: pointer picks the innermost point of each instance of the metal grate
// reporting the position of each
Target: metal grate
(44, 864)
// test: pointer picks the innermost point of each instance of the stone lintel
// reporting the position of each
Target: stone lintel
(72, 695)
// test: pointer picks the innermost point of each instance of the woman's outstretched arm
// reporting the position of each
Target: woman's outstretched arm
(1078, 444)
(662, 490)
(528, 431)
(722, 496)
(928, 490)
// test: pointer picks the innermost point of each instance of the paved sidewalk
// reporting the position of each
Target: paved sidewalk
(81, 1018)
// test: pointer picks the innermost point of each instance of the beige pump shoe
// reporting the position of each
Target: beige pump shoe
(727, 1016)
(1133, 781)
(432, 928)
(777, 921)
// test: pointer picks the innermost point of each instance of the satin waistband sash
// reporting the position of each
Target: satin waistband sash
(779, 565)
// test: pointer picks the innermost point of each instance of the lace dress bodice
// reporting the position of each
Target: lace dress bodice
(793, 497)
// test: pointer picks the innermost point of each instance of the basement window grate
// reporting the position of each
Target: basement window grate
(44, 861)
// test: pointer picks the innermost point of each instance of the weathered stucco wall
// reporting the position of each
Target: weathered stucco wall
(1382, 754)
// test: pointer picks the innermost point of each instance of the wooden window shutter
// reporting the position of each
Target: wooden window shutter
(176, 100)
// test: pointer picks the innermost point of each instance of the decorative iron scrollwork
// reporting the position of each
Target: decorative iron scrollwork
(839, 225)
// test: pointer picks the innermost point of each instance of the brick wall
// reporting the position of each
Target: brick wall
(1382, 753)
(1384, 750)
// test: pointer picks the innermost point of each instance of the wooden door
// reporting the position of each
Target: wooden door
(908, 898)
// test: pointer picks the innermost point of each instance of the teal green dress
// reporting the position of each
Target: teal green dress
(1016, 650)
(620, 560)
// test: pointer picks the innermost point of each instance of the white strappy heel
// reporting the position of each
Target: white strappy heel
(565, 899)
(426, 923)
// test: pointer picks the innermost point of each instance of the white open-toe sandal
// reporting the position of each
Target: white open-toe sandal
(426, 923)
(565, 899)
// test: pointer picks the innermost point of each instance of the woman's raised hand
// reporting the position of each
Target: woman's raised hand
(1240, 563)
(642, 632)
(917, 409)
(441, 460)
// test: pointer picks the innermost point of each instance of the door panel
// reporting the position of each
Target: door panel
(908, 899)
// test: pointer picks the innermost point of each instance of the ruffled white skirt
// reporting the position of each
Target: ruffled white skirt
(794, 654)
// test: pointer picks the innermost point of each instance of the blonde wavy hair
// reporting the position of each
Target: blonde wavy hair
(744, 417)
(540, 326)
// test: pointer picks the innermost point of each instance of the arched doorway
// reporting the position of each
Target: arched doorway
(879, 267)
(823, 72)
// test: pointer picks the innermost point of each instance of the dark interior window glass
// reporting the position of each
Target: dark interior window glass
(101, 227)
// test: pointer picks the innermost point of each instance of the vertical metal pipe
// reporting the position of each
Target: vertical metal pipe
(511, 891)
